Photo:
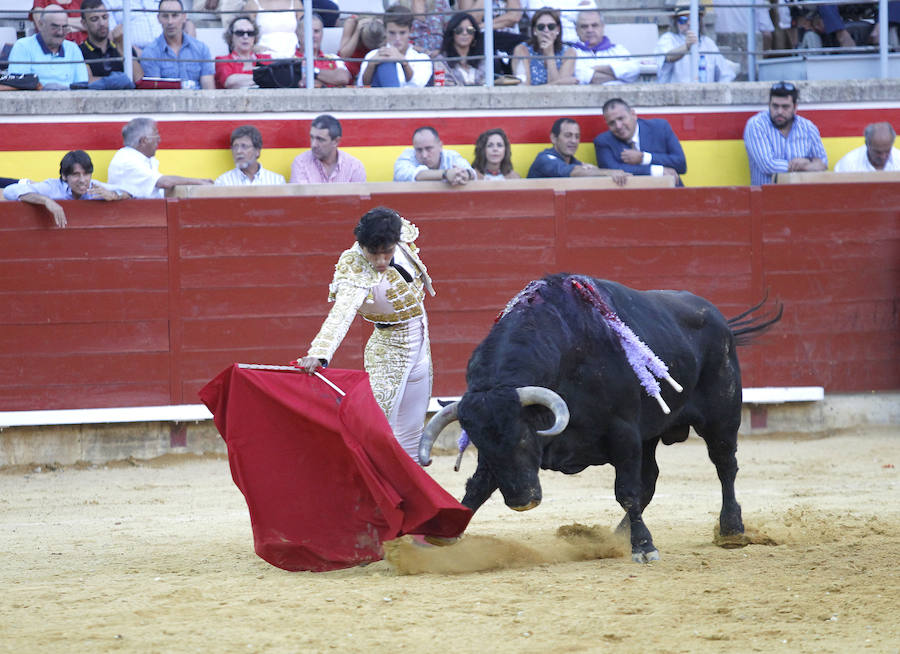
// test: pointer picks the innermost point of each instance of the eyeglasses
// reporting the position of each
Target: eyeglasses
(546, 27)
(783, 86)
(244, 32)
(683, 20)
(464, 30)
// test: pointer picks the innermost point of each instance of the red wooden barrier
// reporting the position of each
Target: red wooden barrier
(142, 302)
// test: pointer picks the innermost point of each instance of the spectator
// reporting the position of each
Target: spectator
(395, 63)
(177, 55)
(97, 46)
(543, 59)
(323, 163)
(567, 11)
(507, 14)
(232, 73)
(144, 27)
(49, 45)
(246, 146)
(493, 156)
(277, 21)
(328, 69)
(462, 52)
(673, 66)
(76, 32)
(359, 37)
(74, 183)
(638, 146)
(878, 153)
(732, 23)
(600, 61)
(779, 141)
(135, 169)
(834, 26)
(428, 160)
(560, 161)
(429, 19)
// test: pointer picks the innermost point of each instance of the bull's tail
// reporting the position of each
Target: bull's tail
(755, 321)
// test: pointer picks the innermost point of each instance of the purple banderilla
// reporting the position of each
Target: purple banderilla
(646, 365)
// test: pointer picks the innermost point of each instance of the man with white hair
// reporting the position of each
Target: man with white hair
(58, 63)
(878, 153)
(134, 168)
(600, 61)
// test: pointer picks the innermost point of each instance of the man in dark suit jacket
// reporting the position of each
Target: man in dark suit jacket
(638, 146)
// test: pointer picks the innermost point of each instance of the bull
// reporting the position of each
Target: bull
(569, 377)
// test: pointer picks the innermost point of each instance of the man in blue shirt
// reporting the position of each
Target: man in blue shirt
(560, 161)
(58, 63)
(74, 183)
(779, 141)
(176, 54)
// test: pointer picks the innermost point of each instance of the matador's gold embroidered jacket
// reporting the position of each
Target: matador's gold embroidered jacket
(352, 288)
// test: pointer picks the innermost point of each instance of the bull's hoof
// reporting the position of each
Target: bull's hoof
(532, 504)
(645, 557)
(440, 541)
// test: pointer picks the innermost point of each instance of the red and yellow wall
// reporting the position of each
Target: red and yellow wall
(197, 145)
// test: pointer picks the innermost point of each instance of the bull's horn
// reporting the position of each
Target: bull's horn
(545, 397)
(434, 427)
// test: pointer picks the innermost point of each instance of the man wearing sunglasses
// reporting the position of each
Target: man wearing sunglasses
(672, 66)
(779, 141)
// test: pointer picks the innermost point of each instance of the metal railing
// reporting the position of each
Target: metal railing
(752, 52)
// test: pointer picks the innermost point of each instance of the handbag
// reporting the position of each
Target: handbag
(19, 82)
(280, 74)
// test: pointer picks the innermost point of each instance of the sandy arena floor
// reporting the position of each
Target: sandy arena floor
(157, 557)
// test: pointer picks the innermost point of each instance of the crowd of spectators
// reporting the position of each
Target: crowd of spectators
(411, 43)
(777, 140)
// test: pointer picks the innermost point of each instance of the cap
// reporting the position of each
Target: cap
(685, 10)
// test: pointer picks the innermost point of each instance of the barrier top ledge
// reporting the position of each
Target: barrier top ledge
(35, 103)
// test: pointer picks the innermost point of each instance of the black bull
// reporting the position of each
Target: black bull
(556, 356)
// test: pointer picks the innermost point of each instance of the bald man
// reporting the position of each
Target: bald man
(49, 44)
(878, 153)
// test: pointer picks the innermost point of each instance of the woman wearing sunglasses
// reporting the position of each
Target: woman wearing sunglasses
(231, 72)
(543, 59)
(462, 52)
(671, 63)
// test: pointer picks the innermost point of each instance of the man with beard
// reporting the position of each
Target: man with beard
(560, 161)
(780, 141)
(74, 183)
(97, 46)
(246, 146)
(323, 163)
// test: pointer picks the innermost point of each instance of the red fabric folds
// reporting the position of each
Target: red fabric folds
(325, 481)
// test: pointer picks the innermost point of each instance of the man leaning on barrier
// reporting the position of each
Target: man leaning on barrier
(779, 141)
(878, 153)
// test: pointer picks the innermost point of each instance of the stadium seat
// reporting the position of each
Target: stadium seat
(639, 38)
(14, 13)
(212, 37)
(331, 39)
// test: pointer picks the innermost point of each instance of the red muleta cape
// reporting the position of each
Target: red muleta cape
(324, 478)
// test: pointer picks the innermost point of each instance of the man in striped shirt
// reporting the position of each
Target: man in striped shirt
(780, 141)
(246, 145)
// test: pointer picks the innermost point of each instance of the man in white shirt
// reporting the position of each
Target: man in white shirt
(397, 63)
(600, 61)
(246, 146)
(134, 168)
(428, 160)
(878, 153)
